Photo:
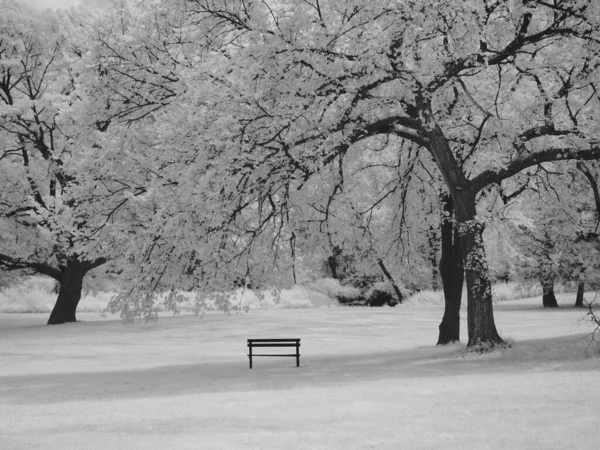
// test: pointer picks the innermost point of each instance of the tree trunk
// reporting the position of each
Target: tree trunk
(452, 273)
(580, 292)
(480, 315)
(480, 312)
(548, 297)
(432, 238)
(391, 280)
(332, 262)
(293, 251)
(69, 293)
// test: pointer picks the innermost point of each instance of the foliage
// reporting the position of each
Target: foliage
(8, 279)
(68, 183)
(555, 227)
(266, 105)
(252, 135)
(35, 294)
(47, 223)
(333, 289)
(40, 154)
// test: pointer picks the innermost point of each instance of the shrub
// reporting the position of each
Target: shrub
(34, 294)
(333, 289)
(366, 290)
(31, 294)
(427, 297)
(380, 298)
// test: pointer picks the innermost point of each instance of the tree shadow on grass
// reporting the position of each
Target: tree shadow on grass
(565, 353)
(527, 306)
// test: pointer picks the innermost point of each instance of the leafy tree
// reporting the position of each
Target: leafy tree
(555, 228)
(270, 94)
(58, 202)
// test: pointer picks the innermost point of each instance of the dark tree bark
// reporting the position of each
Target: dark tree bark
(293, 251)
(69, 293)
(580, 292)
(452, 273)
(332, 262)
(548, 297)
(391, 280)
(433, 240)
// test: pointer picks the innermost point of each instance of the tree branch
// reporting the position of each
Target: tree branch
(496, 176)
(10, 263)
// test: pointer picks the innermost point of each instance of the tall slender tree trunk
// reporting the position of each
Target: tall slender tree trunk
(452, 273)
(580, 292)
(293, 251)
(332, 262)
(548, 297)
(433, 241)
(69, 293)
(480, 314)
(547, 273)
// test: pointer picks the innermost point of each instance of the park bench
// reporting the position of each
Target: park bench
(275, 343)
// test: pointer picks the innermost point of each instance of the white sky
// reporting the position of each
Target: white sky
(44, 4)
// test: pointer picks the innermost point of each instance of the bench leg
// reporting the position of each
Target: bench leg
(250, 356)
(297, 357)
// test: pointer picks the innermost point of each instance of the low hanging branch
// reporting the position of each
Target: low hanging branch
(595, 320)
(9, 263)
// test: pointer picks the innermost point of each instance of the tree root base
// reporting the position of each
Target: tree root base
(487, 346)
(448, 342)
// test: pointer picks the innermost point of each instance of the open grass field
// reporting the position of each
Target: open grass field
(369, 378)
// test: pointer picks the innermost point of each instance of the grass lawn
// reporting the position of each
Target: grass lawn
(369, 378)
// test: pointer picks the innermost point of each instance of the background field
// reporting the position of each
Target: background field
(369, 378)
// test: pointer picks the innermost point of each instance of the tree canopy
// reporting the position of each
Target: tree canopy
(252, 124)
(59, 204)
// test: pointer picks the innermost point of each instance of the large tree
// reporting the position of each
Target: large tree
(269, 94)
(58, 198)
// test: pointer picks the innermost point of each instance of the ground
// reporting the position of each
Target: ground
(369, 378)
